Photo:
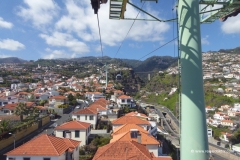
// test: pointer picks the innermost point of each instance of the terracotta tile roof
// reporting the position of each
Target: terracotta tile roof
(73, 125)
(10, 106)
(97, 107)
(44, 145)
(118, 91)
(58, 97)
(86, 111)
(136, 114)
(130, 120)
(229, 121)
(124, 97)
(119, 150)
(126, 127)
(145, 138)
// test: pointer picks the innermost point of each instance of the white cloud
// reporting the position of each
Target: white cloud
(135, 45)
(39, 12)
(54, 54)
(204, 40)
(5, 24)
(10, 44)
(65, 40)
(82, 21)
(4, 55)
(231, 25)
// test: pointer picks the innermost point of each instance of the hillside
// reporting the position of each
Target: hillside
(12, 60)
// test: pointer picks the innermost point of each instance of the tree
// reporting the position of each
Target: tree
(21, 110)
(4, 125)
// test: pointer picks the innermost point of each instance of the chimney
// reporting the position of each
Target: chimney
(139, 138)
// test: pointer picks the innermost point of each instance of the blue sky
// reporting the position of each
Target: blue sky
(34, 29)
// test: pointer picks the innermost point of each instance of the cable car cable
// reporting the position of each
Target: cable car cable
(128, 31)
(100, 36)
(158, 48)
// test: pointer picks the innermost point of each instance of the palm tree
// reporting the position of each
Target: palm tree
(4, 125)
(21, 110)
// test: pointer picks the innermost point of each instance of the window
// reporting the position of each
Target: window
(26, 158)
(46, 158)
(77, 134)
(78, 117)
(64, 134)
(85, 117)
(123, 100)
(91, 117)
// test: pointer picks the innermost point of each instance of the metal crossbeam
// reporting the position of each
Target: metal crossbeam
(229, 7)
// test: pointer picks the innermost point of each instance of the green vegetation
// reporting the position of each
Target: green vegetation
(217, 131)
(87, 152)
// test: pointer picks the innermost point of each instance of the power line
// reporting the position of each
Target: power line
(100, 36)
(159, 48)
(128, 31)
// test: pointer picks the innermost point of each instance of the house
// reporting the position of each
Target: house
(219, 116)
(75, 130)
(227, 123)
(125, 101)
(116, 94)
(225, 136)
(139, 115)
(126, 127)
(209, 108)
(87, 115)
(126, 150)
(46, 147)
(93, 96)
(55, 101)
(130, 120)
(141, 137)
(209, 132)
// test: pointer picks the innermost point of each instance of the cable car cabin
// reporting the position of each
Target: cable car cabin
(118, 77)
(96, 4)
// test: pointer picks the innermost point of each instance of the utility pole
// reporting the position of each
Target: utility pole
(194, 142)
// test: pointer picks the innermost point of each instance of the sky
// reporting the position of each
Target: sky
(50, 29)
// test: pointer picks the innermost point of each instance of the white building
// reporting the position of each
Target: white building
(125, 101)
(45, 147)
(76, 130)
(87, 115)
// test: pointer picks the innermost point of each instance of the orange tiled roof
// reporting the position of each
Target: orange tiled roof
(145, 138)
(97, 107)
(124, 97)
(58, 97)
(130, 120)
(229, 121)
(119, 150)
(44, 145)
(136, 114)
(126, 128)
(86, 111)
(10, 106)
(73, 125)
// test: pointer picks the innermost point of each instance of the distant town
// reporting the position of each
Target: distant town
(59, 111)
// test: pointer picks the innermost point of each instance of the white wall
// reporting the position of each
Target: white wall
(82, 119)
(82, 136)
(153, 148)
